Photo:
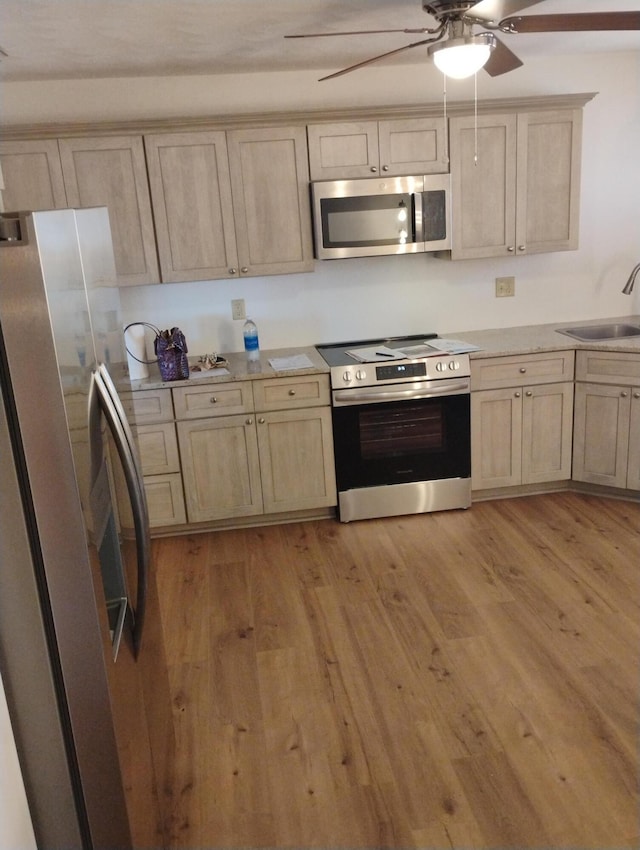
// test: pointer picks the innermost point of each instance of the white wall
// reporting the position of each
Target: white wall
(356, 298)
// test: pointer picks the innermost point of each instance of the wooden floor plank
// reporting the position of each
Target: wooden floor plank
(465, 679)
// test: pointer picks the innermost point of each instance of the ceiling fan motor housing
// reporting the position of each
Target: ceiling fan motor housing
(441, 10)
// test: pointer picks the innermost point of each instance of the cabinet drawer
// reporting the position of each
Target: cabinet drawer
(214, 400)
(158, 448)
(289, 393)
(497, 372)
(148, 406)
(608, 367)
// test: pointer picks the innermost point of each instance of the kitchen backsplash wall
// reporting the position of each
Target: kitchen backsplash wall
(357, 298)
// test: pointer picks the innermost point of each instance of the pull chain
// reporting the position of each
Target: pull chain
(446, 128)
(475, 118)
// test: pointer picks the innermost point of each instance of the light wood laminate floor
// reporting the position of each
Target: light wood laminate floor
(463, 679)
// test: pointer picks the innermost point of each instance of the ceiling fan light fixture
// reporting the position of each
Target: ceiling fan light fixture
(463, 56)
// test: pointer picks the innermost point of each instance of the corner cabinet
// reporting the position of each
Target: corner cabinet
(230, 204)
(521, 419)
(366, 148)
(32, 175)
(515, 183)
(607, 419)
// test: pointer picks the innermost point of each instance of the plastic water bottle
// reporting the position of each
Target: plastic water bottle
(251, 345)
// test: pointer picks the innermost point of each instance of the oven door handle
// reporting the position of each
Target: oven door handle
(442, 389)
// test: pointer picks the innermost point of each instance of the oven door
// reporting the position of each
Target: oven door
(420, 436)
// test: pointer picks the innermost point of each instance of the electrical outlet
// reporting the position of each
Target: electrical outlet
(505, 286)
(237, 308)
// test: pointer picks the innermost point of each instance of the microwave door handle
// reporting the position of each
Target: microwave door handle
(418, 217)
(136, 497)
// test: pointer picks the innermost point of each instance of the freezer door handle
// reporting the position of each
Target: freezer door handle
(125, 445)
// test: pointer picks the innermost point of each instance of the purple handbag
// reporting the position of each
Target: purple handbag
(171, 351)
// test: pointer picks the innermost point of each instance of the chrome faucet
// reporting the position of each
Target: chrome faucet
(632, 279)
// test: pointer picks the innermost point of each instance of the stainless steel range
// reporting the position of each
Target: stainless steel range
(401, 426)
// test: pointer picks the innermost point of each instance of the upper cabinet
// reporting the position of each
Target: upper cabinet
(32, 175)
(192, 206)
(111, 171)
(230, 204)
(364, 149)
(515, 183)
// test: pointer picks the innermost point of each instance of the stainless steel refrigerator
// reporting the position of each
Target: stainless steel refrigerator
(81, 643)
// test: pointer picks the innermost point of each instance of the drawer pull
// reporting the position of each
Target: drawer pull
(213, 399)
(292, 392)
(523, 369)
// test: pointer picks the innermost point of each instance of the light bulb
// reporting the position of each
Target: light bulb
(462, 57)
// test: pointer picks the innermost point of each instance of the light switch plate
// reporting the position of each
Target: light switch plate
(505, 286)
(238, 309)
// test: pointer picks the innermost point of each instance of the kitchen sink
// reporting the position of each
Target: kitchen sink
(588, 333)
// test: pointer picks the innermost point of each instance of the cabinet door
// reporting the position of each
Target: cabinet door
(548, 181)
(110, 171)
(601, 434)
(496, 438)
(547, 431)
(165, 500)
(343, 151)
(296, 460)
(270, 186)
(483, 179)
(191, 195)
(413, 146)
(633, 473)
(32, 175)
(220, 467)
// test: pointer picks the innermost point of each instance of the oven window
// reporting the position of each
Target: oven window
(402, 441)
(401, 431)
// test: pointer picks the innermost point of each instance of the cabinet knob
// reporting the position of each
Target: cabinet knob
(522, 247)
(510, 249)
(292, 392)
(244, 270)
(213, 399)
(624, 393)
(233, 271)
(636, 395)
(248, 421)
(261, 420)
(523, 369)
(373, 169)
(385, 167)
(517, 395)
(528, 393)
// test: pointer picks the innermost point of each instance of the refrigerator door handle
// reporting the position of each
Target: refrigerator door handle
(123, 438)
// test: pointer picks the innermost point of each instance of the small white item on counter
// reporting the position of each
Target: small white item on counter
(453, 346)
(295, 361)
(135, 343)
(378, 354)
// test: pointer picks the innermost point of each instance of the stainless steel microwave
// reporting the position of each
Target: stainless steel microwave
(381, 215)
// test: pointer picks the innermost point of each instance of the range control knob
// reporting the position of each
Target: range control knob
(440, 366)
(453, 365)
(347, 377)
(361, 375)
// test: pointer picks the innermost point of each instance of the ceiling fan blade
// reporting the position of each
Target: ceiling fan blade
(493, 11)
(416, 31)
(579, 22)
(502, 60)
(381, 56)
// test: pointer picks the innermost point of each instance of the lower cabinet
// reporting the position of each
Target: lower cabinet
(606, 447)
(521, 433)
(256, 447)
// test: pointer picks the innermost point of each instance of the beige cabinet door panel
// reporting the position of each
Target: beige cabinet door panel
(343, 151)
(496, 438)
(220, 468)
(483, 182)
(165, 500)
(32, 175)
(413, 146)
(192, 205)
(296, 460)
(270, 186)
(633, 473)
(548, 187)
(601, 434)
(158, 448)
(111, 171)
(147, 406)
(547, 431)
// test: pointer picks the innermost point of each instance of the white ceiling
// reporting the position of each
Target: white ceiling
(66, 39)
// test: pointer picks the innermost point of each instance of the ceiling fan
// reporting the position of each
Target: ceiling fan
(458, 52)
